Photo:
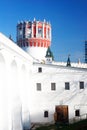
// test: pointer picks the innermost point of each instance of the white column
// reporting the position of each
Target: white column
(43, 30)
(36, 29)
(4, 117)
(50, 34)
(32, 30)
(46, 33)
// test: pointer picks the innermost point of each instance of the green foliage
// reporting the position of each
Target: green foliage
(82, 125)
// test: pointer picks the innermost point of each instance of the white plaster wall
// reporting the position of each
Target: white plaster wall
(12, 87)
(46, 99)
(38, 53)
(77, 64)
(20, 102)
(3, 96)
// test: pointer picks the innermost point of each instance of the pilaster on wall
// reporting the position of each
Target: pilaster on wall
(12, 59)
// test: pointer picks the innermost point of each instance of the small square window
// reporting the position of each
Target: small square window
(38, 85)
(45, 113)
(53, 86)
(81, 85)
(77, 112)
(67, 86)
(39, 69)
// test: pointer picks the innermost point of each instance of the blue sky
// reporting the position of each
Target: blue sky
(67, 17)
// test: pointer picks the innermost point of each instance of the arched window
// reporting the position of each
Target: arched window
(45, 113)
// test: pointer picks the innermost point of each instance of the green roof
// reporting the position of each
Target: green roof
(49, 53)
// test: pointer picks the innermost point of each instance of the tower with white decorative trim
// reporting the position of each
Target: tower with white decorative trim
(34, 37)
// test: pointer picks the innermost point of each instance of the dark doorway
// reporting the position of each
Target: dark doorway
(61, 114)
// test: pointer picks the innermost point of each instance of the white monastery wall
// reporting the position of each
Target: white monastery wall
(15, 67)
(47, 99)
(78, 64)
(26, 91)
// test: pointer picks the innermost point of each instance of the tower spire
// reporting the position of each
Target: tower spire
(68, 61)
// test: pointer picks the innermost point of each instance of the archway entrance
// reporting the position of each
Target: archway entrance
(61, 114)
